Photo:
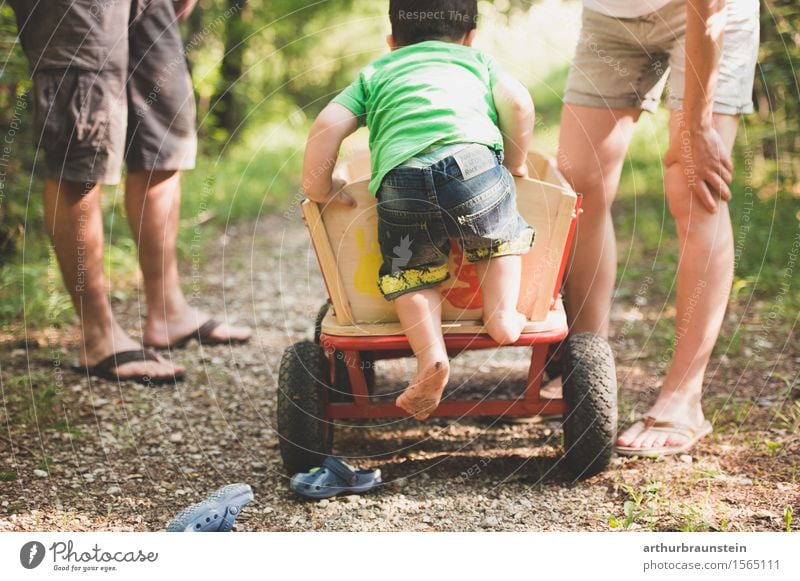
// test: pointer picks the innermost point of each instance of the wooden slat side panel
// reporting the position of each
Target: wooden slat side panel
(327, 262)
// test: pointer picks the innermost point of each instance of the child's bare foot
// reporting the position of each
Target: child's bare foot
(506, 327)
(422, 395)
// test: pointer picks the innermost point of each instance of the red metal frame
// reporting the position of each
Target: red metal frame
(391, 347)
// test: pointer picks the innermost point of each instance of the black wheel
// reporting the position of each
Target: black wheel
(305, 437)
(341, 391)
(590, 392)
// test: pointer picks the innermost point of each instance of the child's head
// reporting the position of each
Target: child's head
(416, 21)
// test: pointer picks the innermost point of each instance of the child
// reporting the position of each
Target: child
(441, 117)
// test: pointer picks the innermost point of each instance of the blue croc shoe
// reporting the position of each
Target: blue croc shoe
(332, 478)
(215, 514)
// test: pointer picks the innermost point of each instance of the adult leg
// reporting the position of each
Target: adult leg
(705, 273)
(420, 315)
(591, 153)
(74, 222)
(161, 141)
(500, 282)
(152, 202)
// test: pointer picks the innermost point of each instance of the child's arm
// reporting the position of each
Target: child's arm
(515, 115)
(329, 130)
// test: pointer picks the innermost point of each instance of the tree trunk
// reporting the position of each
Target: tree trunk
(225, 108)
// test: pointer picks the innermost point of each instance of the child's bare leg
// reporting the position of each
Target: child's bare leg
(420, 316)
(500, 282)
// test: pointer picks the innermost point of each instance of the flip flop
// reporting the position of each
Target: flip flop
(332, 478)
(693, 435)
(203, 336)
(215, 514)
(102, 370)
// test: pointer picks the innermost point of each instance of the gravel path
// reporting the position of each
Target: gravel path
(99, 456)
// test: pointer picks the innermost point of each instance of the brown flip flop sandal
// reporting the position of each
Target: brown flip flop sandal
(693, 435)
(102, 370)
(203, 336)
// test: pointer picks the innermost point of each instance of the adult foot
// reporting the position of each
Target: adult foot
(505, 328)
(163, 332)
(99, 348)
(686, 419)
(422, 395)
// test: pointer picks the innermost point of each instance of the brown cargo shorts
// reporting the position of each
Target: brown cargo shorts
(110, 83)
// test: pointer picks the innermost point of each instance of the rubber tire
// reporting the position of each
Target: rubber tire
(341, 392)
(305, 437)
(590, 392)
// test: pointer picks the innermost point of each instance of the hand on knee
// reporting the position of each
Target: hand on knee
(684, 205)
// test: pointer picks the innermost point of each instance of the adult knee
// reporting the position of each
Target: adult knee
(685, 207)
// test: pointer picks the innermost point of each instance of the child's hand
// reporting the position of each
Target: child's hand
(336, 194)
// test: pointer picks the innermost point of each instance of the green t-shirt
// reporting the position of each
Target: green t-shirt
(429, 93)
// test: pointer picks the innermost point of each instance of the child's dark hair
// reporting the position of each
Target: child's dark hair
(415, 21)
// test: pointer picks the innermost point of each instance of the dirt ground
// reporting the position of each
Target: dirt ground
(78, 455)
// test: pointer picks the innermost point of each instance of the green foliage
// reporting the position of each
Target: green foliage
(640, 506)
(258, 61)
(16, 153)
(778, 89)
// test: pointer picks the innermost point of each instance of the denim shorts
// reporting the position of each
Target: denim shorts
(468, 197)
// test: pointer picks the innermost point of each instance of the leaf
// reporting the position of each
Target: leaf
(628, 508)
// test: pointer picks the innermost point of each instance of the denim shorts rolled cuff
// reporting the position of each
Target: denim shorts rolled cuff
(600, 102)
(519, 245)
(410, 280)
(718, 107)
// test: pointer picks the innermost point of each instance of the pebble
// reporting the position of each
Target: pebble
(685, 458)
(490, 521)
(40, 473)
(323, 503)
(176, 437)
(113, 490)
(352, 499)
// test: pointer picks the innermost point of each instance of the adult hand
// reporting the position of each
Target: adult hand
(708, 168)
(183, 8)
(336, 194)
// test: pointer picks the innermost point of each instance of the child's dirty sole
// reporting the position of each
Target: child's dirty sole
(216, 513)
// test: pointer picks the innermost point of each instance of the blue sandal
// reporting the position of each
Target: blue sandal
(215, 514)
(334, 477)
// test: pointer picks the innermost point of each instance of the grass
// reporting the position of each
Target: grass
(640, 507)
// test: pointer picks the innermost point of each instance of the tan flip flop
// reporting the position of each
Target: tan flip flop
(650, 423)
